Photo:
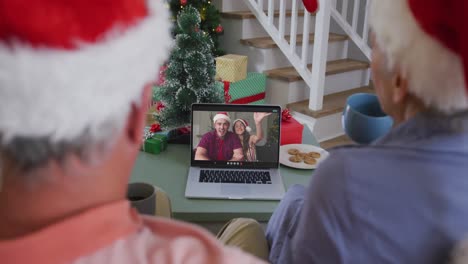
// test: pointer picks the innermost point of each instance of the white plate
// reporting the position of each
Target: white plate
(284, 155)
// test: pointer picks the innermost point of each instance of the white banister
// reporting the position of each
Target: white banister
(305, 39)
(293, 34)
(352, 30)
(260, 5)
(344, 9)
(282, 18)
(314, 78)
(365, 32)
(319, 62)
(355, 14)
(271, 12)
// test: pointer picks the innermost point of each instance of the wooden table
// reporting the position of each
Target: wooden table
(169, 170)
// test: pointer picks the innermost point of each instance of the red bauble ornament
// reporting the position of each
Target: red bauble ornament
(219, 29)
(183, 2)
(311, 5)
(285, 115)
(162, 75)
(160, 106)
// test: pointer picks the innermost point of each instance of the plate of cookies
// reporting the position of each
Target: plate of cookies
(302, 156)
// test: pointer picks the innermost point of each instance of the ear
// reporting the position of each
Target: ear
(399, 88)
(137, 117)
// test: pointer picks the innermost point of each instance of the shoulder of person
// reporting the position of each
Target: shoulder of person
(231, 134)
(354, 151)
(208, 134)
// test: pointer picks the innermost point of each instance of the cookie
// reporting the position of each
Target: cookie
(313, 154)
(310, 161)
(293, 151)
(301, 154)
(295, 159)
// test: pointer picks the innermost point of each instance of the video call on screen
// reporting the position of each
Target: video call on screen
(265, 150)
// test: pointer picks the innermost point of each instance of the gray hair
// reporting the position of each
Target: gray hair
(435, 73)
(28, 154)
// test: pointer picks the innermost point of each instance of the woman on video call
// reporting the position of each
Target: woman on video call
(242, 130)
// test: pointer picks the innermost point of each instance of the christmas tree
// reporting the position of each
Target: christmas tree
(189, 74)
(210, 19)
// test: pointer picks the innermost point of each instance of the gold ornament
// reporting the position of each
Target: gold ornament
(203, 14)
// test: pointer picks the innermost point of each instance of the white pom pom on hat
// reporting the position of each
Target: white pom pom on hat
(71, 66)
(245, 123)
(222, 115)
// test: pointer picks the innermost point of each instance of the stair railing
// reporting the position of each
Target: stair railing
(357, 32)
(314, 76)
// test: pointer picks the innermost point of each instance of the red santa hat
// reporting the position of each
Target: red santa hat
(70, 66)
(221, 115)
(429, 41)
(245, 123)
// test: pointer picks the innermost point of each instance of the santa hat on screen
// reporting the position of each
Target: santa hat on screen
(429, 40)
(69, 66)
(245, 123)
(221, 115)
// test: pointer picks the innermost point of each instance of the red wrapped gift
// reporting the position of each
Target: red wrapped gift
(291, 132)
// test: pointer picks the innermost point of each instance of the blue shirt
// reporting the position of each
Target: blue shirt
(402, 199)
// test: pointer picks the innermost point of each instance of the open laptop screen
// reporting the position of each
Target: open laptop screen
(234, 136)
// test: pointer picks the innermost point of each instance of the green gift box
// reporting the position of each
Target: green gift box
(155, 144)
(251, 90)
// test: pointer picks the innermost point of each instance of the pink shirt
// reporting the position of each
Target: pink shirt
(115, 233)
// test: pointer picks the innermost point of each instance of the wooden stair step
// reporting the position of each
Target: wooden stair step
(332, 103)
(248, 14)
(335, 142)
(268, 43)
(290, 74)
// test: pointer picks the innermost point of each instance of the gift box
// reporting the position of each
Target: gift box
(291, 132)
(155, 144)
(251, 90)
(231, 68)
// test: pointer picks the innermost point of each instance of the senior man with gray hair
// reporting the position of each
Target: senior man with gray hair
(404, 197)
(72, 110)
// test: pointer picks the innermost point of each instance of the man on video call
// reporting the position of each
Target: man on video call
(220, 144)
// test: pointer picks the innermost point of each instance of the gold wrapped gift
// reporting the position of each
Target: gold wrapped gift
(231, 67)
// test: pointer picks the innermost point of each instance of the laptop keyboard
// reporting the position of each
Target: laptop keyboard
(235, 176)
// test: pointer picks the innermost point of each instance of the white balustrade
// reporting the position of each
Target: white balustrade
(314, 78)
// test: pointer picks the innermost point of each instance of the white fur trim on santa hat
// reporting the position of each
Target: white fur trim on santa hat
(221, 116)
(62, 93)
(246, 125)
(434, 73)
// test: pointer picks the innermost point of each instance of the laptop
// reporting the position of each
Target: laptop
(220, 168)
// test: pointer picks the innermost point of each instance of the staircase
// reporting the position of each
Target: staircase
(278, 47)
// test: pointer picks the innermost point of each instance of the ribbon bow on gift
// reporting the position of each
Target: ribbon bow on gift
(285, 115)
(155, 128)
(227, 96)
(152, 131)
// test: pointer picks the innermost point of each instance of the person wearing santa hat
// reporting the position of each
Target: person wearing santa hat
(402, 198)
(73, 96)
(242, 129)
(220, 143)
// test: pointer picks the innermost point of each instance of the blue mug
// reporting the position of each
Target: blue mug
(363, 118)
